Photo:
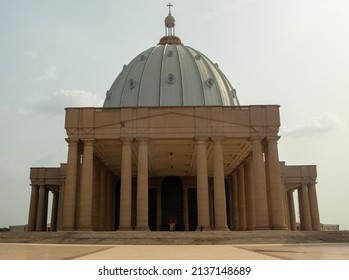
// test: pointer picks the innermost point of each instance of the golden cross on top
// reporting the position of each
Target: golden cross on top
(169, 8)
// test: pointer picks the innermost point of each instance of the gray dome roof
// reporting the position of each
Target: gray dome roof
(171, 75)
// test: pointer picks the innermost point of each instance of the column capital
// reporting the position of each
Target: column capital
(217, 139)
(201, 139)
(274, 138)
(259, 139)
(126, 140)
(88, 141)
(72, 140)
(142, 139)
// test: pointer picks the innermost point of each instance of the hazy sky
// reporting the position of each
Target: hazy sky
(56, 54)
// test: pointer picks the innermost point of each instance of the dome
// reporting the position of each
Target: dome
(171, 75)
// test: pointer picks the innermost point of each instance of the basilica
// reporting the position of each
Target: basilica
(172, 149)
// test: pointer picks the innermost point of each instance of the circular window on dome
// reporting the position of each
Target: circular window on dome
(171, 78)
(132, 83)
(197, 57)
(143, 57)
(209, 82)
(170, 53)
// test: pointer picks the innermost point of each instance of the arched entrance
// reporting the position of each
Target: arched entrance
(172, 204)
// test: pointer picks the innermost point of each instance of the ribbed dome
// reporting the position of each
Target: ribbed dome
(171, 75)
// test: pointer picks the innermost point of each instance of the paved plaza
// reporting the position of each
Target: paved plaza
(328, 251)
(257, 245)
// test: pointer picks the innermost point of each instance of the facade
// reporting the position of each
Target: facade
(172, 149)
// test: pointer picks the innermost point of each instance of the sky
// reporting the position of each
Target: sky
(57, 54)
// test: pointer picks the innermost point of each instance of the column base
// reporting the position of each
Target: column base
(225, 228)
(251, 228)
(204, 229)
(67, 229)
(85, 229)
(142, 229)
(284, 227)
(124, 229)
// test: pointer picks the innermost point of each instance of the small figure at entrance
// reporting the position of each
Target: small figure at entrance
(172, 224)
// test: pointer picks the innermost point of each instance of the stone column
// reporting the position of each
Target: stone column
(69, 199)
(219, 186)
(96, 194)
(158, 208)
(292, 212)
(230, 206)
(185, 209)
(241, 198)
(126, 186)
(306, 208)
(314, 209)
(110, 196)
(276, 189)
(250, 202)
(259, 182)
(211, 205)
(60, 204)
(234, 183)
(85, 211)
(40, 219)
(142, 185)
(202, 185)
(103, 199)
(33, 208)
(54, 211)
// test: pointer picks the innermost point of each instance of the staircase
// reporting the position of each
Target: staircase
(176, 238)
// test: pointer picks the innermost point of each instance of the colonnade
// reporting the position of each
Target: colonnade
(256, 195)
(89, 193)
(39, 208)
(308, 207)
(256, 184)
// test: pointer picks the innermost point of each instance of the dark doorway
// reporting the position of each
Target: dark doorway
(192, 208)
(152, 209)
(172, 204)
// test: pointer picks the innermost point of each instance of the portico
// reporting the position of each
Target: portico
(210, 149)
